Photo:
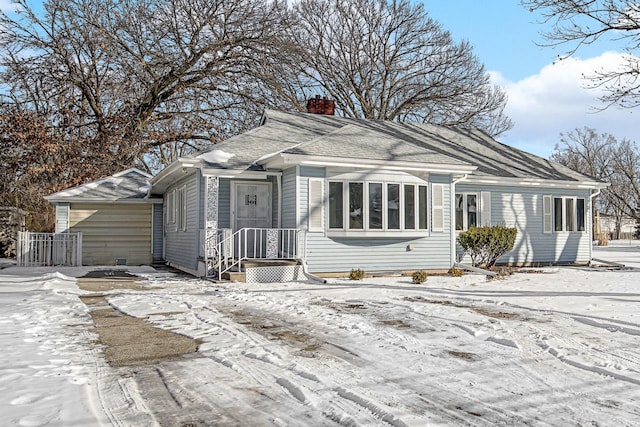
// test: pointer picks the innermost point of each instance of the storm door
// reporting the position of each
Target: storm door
(253, 212)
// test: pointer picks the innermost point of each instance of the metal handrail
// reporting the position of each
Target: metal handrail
(257, 243)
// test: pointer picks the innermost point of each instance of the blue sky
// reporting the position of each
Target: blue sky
(546, 97)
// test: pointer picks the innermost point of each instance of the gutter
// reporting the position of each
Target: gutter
(591, 198)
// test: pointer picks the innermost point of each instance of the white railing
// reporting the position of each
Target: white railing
(255, 243)
(48, 249)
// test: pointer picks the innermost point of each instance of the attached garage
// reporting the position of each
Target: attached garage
(120, 223)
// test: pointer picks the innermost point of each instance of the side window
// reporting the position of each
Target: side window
(580, 215)
(422, 207)
(171, 207)
(466, 207)
(182, 208)
(557, 214)
(568, 214)
(472, 210)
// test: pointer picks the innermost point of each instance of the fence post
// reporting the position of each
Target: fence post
(20, 249)
(79, 250)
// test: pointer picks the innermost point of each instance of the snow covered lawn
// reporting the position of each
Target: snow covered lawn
(558, 348)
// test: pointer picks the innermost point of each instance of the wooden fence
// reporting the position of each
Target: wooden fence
(49, 249)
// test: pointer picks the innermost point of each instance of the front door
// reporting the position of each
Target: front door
(252, 205)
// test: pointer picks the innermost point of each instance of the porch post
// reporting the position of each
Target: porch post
(210, 217)
(211, 203)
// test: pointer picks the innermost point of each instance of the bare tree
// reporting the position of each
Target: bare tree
(582, 22)
(603, 157)
(143, 75)
(388, 60)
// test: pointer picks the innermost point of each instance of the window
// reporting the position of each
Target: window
(335, 205)
(409, 207)
(422, 207)
(393, 206)
(466, 210)
(182, 208)
(580, 216)
(171, 207)
(376, 206)
(568, 214)
(356, 206)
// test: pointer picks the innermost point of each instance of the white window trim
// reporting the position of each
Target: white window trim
(465, 217)
(171, 207)
(181, 217)
(563, 214)
(385, 231)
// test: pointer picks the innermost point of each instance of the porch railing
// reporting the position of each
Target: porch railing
(252, 243)
(49, 249)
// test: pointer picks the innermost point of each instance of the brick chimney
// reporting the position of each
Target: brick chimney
(322, 105)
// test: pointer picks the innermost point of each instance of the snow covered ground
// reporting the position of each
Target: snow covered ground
(558, 347)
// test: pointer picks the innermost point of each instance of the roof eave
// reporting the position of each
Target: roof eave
(536, 182)
(142, 200)
(283, 160)
(161, 181)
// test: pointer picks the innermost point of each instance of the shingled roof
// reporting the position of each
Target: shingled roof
(338, 137)
(129, 185)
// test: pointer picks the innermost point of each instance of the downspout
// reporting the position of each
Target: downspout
(593, 210)
(453, 222)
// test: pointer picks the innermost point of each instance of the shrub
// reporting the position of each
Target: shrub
(456, 272)
(419, 277)
(486, 245)
(356, 274)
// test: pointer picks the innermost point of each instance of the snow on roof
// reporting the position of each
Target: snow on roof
(131, 184)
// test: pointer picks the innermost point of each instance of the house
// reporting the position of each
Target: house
(119, 222)
(342, 193)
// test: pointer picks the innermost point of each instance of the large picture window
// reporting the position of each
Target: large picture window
(377, 206)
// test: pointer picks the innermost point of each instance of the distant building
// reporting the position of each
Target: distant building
(627, 226)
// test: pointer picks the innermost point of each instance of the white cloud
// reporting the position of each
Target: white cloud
(8, 6)
(556, 100)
